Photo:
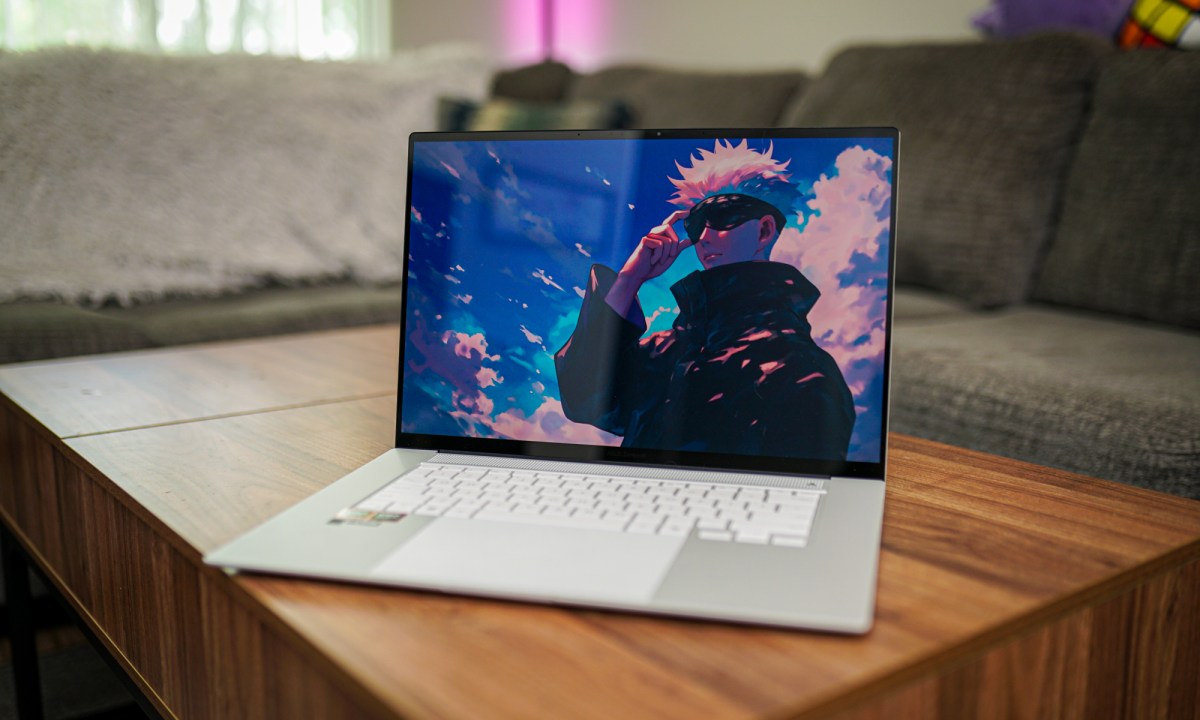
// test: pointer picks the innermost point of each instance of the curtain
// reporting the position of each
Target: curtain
(311, 29)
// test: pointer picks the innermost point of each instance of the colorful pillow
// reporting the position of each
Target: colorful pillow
(505, 114)
(1162, 23)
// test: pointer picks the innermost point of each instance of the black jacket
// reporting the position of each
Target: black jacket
(738, 372)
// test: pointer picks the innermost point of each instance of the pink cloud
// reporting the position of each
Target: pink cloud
(531, 336)
(540, 274)
(459, 359)
(549, 424)
(470, 345)
(462, 361)
(662, 309)
(847, 236)
(487, 377)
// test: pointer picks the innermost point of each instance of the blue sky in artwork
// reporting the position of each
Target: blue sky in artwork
(503, 234)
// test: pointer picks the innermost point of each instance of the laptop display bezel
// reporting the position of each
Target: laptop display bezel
(649, 456)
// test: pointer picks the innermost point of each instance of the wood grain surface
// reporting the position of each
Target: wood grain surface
(1005, 589)
(80, 396)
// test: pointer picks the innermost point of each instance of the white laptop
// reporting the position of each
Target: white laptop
(639, 370)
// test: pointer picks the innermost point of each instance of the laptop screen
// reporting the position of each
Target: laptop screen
(712, 299)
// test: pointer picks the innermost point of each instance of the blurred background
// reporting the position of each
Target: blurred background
(586, 34)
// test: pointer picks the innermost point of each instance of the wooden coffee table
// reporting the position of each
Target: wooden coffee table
(1005, 589)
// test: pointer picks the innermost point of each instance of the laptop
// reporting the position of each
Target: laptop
(639, 370)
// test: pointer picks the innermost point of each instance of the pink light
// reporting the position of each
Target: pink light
(579, 38)
(582, 32)
(522, 31)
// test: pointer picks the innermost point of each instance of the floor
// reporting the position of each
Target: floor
(77, 682)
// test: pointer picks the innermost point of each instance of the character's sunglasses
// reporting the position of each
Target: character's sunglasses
(724, 212)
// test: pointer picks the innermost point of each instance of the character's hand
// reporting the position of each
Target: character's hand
(656, 252)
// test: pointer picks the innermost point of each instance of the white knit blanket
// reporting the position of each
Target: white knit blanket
(131, 177)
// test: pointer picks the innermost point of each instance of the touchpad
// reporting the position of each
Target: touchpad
(532, 561)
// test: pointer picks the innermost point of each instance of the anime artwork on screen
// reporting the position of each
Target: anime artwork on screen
(724, 296)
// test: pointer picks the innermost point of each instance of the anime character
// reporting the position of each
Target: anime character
(738, 372)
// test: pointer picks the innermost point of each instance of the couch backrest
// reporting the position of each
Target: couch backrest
(128, 176)
(986, 134)
(1129, 238)
(661, 98)
(655, 97)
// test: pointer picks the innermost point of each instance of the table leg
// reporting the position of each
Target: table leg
(21, 631)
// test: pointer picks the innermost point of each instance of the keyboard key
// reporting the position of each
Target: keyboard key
(758, 537)
(646, 525)
(619, 519)
(433, 508)
(723, 535)
(676, 526)
(404, 506)
(789, 540)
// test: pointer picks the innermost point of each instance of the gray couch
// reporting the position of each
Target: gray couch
(1048, 245)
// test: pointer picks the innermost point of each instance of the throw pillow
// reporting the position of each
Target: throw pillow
(542, 82)
(986, 135)
(1014, 18)
(129, 177)
(504, 114)
(1162, 23)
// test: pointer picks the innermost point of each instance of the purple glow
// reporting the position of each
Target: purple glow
(579, 37)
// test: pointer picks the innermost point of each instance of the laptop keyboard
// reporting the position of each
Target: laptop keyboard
(716, 512)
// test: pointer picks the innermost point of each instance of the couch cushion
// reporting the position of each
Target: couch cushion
(266, 312)
(659, 98)
(457, 114)
(40, 330)
(541, 83)
(986, 132)
(1129, 240)
(1108, 398)
(918, 305)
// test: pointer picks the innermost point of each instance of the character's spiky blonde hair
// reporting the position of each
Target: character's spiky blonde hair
(730, 168)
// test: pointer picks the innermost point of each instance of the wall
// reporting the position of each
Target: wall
(710, 34)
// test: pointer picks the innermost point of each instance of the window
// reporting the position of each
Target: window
(311, 29)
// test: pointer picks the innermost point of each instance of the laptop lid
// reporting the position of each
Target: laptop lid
(713, 299)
